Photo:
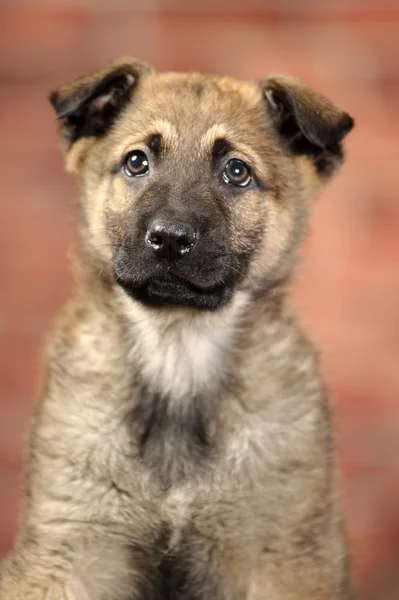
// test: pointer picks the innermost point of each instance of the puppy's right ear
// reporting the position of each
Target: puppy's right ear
(307, 123)
(88, 106)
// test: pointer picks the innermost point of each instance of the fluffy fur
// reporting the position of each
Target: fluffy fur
(182, 446)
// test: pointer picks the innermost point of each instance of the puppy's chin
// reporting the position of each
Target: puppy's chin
(159, 291)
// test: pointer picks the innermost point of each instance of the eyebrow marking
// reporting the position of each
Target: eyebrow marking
(154, 141)
(166, 130)
(147, 135)
(216, 131)
(219, 131)
(221, 147)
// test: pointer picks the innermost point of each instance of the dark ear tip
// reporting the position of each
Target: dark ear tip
(53, 96)
(344, 126)
(54, 101)
(351, 120)
(348, 123)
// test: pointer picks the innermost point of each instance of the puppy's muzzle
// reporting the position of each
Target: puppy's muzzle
(176, 258)
(170, 239)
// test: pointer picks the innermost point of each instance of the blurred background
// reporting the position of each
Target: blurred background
(348, 289)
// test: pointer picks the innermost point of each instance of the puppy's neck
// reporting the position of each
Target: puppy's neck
(184, 360)
(184, 353)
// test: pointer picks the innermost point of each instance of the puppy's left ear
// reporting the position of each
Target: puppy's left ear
(307, 122)
(88, 106)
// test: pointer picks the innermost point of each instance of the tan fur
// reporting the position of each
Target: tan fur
(256, 517)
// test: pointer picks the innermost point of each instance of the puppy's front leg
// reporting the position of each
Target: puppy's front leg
(310, 576)
(299, 584)
(70, 547)
(95, 572)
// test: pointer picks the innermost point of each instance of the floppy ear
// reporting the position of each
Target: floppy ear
(307, 122)
(88, 106)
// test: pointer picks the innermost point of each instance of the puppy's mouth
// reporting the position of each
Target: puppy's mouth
(175, 291)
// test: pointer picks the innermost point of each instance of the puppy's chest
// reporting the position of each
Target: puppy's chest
(184, 359)
(181, 374)
(174, 439)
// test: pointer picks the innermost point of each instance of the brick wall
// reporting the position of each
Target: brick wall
(348, 290)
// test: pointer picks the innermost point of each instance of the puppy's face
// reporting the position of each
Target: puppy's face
(195, 186)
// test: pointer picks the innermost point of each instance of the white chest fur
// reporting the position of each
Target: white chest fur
(183, 352)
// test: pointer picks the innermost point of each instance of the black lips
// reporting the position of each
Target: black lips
(173, 291)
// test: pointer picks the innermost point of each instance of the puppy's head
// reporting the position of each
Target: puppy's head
(195, 186)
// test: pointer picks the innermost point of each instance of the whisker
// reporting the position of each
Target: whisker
(257, 268)
(104, 267)
(241, 273)
(111, 245)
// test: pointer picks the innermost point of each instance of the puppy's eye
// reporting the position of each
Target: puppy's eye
(136, 164)
(237, 172)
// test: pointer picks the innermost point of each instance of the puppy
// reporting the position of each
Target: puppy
(182, 447)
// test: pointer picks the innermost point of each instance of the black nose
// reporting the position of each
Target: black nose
(170, 239)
